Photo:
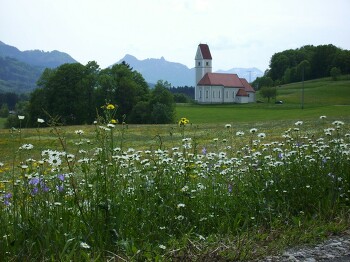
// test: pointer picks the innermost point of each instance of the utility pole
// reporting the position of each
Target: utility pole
(302, 91)
(250, 76)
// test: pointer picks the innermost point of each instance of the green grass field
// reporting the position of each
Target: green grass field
(321, 97)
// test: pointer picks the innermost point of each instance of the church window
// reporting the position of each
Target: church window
(207, 63)
(226, 94)
(213, 94)
(206, 94)
(219, 94)
(200, 93)
(199, 63)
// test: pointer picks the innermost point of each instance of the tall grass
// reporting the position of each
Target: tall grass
(95, 198)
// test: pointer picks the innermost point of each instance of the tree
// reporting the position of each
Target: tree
(264, 81)
(278, 64)
(124, 87)
(335, 73)
(67, 93)
(4, 110)
(162, 104)
(181, 98)
(268, 92)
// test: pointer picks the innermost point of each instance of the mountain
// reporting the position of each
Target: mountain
(153, 69)
(36, 57)
(177, 74)
(20, 70)
(16, 76)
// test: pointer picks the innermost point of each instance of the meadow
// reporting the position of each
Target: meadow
(224, 183)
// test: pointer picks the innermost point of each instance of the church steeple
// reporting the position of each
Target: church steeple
(203, 62)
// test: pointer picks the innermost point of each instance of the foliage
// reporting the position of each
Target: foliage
(11, 99)
(123, 86)
(181, 98)
(4, 110)
(162, 104)
(335, 73)
(309, 61)
(95, 198)
(74, 104)
(83, 88)
(188, 91)
(261, 82)
(268, 92)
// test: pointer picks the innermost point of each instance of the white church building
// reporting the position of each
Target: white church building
(216, 87)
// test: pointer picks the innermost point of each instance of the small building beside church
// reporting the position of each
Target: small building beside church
(217, 87)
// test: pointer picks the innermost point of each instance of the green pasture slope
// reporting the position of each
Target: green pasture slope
(321, 97)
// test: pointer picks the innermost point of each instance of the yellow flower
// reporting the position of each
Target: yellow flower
(113, 121)
(183, 121)
(110, 107)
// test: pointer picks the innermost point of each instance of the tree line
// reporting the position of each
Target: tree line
(307, 62)
(74, 94)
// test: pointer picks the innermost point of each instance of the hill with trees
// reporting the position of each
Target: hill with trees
(305, 63)
(19, 70)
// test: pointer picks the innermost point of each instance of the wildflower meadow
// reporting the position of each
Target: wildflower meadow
(94, 198)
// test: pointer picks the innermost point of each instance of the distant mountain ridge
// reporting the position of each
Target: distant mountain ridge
(153, 69)
(20, 70)
(36, 57)
(177, 74)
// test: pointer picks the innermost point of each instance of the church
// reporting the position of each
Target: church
(218, 88)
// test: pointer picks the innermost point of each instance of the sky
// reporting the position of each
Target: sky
(243, 33)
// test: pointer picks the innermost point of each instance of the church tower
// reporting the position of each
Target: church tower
(203, 64)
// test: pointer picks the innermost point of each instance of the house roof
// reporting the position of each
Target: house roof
(241, 92)
(205, 51)
(217, 79)
(247, 86)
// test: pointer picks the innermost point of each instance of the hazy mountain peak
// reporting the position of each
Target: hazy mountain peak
(154, 69)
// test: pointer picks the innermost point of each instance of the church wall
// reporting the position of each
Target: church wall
(218, 94)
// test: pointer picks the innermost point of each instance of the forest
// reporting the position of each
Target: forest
(305, 63)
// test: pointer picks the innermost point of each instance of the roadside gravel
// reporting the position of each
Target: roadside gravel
(335, 249)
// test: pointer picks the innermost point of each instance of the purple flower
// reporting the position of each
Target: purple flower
(45, 188)
(60, 177)
(34, 181)
(204, 151)
(35, 191)
(6, 199)
(60, 188)
(8, 195)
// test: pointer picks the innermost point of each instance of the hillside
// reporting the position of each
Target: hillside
(321, 97)
(19, 70)
(317, 92)
(16, 76)
(36, 57)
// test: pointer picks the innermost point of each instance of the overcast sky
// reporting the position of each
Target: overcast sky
(244, 33)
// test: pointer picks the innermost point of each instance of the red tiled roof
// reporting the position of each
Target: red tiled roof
(241, 92)
(247, 86)
(205, 51)
(217, 79)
